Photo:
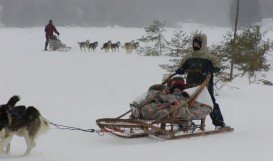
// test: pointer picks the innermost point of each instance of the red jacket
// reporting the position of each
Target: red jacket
(49, 29)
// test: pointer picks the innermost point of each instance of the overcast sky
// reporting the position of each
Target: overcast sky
(129, 13)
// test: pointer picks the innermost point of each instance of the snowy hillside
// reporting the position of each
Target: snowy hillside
(76, 88)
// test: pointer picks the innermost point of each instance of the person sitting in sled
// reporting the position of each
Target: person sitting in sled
(177, 85)
(160, 100)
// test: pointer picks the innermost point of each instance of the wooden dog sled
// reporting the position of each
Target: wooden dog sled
(160, 128)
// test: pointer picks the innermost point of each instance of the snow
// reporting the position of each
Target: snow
(204, 97)
(76, 88)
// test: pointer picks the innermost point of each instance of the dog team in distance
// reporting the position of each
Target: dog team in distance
(107, 46)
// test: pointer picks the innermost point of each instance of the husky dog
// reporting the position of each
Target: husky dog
(127, 47)
(134, 46)
(106, 46)
(93, 46)
(21, 121)
(84, 45)
(130, 46)
(115, 46)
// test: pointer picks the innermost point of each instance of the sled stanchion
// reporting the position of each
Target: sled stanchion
(203, 124)
(124, 114)
(194, 96)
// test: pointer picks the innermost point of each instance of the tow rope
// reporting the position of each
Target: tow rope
(65, 127)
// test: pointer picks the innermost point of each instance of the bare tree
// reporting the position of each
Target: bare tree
(234, 40)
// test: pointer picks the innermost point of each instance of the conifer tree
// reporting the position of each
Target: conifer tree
(155, 43)
(250, 56)
(179, 45)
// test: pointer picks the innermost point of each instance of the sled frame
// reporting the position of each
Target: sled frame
(167, 129)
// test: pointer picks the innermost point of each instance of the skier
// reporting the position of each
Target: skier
(197, 64)
(49, 29)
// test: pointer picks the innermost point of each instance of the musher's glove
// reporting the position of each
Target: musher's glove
(208, 70)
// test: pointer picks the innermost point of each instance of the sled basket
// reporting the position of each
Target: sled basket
(55, 44)
(162, 128)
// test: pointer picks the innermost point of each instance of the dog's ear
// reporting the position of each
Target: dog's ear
(13, 100)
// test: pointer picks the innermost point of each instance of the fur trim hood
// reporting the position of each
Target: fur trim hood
(202, 53)
(204, 47)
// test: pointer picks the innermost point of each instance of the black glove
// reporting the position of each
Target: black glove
(208, 69)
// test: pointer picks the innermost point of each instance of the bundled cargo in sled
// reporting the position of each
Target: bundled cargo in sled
(165, 116)
(55, 44)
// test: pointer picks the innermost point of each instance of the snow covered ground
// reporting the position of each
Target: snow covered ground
(76, 88)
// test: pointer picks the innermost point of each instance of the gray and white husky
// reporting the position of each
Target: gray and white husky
(20, 121)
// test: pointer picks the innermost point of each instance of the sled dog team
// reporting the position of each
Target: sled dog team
(109, 45)
(50, 29)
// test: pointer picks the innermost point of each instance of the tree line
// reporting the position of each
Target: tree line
(137, 13)
(250, 55)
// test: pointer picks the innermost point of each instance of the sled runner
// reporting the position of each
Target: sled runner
(171, 128)
(55, 44)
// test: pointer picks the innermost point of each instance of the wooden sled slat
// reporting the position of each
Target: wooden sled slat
(130, 128)
(124, 128)
(182, 135)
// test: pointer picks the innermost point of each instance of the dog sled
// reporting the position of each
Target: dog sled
(162, 128)
(55, 44)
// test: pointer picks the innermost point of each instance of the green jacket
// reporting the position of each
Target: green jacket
(198, 64)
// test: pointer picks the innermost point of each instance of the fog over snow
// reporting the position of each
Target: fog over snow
(128, 13)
